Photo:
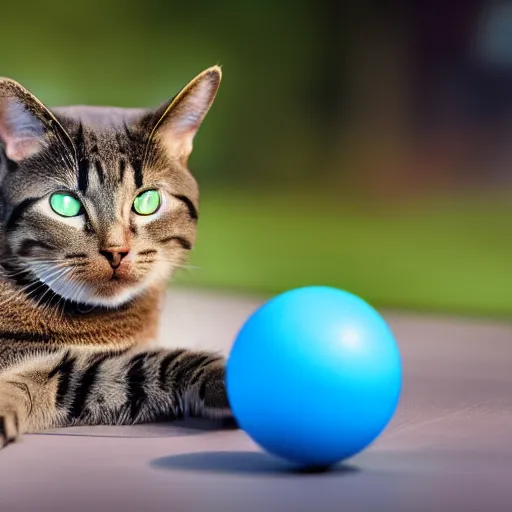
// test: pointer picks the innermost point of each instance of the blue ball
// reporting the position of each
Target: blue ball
(314, 376)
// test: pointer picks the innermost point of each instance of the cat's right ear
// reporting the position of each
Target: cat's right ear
(25, 123)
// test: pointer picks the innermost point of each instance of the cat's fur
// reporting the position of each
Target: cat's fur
(73, 329)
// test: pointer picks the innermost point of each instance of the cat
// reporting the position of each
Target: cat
(97, 210)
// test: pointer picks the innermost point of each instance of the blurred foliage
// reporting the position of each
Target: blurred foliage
(437, 255)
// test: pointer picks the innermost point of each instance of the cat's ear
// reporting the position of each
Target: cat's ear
(178, 121)
(25, 123)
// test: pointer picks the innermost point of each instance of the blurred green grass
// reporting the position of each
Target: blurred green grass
(450, 255)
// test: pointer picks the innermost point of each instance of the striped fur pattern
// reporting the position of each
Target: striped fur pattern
(80, 296)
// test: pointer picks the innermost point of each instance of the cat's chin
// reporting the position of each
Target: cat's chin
(108, 295)
(113, 301)
(89, 298)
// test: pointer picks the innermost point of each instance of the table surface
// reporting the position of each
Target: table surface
(449, 446)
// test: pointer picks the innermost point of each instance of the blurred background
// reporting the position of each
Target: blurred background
(359, 144)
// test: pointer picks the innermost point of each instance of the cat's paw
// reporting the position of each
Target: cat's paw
(9, 426)
(214, 397)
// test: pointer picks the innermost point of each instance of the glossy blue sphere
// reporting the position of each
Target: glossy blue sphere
(314, 376)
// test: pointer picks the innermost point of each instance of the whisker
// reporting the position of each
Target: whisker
(45, 284)
(49, 282)
(77, 291)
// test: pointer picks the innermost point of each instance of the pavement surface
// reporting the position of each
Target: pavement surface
(449, 446)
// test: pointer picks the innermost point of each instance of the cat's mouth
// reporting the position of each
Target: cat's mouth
(98, 287)
(120, 275)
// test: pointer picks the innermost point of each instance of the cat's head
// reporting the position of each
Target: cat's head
(97, 204)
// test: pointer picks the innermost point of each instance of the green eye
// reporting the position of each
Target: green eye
(65, 205)
(147, 203)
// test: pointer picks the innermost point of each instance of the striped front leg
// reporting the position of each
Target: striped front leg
(77, 387)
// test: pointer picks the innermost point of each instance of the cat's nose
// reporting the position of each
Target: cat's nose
(114, 255)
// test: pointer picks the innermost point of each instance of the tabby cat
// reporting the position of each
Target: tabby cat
(97, 209)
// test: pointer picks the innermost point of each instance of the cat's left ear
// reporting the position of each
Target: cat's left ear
(178, 121)
(26, 125)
